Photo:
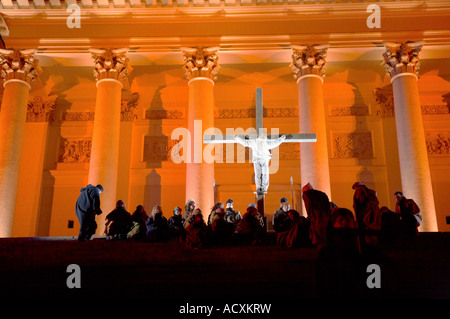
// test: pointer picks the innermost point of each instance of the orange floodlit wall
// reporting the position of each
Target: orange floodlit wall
(352, 104)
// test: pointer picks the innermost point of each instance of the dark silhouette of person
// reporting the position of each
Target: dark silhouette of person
(197, 234)
(367, 212)
(86, 207)
(298, 233)
(342, 263)
(390, 226)
(251, 228)
(317, 206)
(281, 221)
(139, 218)
(410, 217)
(175, 225)
(118, 222)
(338, 272)
(333, 206)
(231, 216)
(222, 231)
(157, 229)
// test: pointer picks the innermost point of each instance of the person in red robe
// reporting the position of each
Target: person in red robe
(367, 211)
(197, 235)
(297, 234)
(318, 209)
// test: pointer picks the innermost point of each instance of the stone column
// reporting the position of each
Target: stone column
(401, 60)
(201, 66)
(31, 217)
(18, 70)
(110, 71)
(308, 64)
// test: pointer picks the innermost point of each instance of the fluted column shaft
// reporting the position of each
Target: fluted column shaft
(201, 70)
(110, 71)
(308, 65)
(18, 69)
(402, 63)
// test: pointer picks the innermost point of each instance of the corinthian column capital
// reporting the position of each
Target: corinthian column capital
(402, 58)
(110, 64)
(19, 65)
(309, 60)
(201, 62)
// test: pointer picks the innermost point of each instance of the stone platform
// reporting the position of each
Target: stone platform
(37, 268)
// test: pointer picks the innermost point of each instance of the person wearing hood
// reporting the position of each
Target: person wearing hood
(367, 212)
(339, 273)
(297, 234)
(86, 207)
(342, 264)
(197, 233)
(251, 229)
(317, 206)
(175, 224)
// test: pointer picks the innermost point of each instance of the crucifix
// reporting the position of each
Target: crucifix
(261, 144)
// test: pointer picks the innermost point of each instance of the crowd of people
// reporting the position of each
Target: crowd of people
(224, 225)
(323, 220)
(347, 241)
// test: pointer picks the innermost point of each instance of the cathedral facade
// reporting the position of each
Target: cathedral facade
(120, 93)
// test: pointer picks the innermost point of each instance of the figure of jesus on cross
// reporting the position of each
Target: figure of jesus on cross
(261, 144)
(261, 147)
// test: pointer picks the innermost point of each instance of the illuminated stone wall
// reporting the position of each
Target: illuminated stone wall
(254, 51)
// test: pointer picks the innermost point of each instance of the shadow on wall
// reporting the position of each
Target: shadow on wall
(152, 190)
(157, 146)
(446, 100)
(365, 176)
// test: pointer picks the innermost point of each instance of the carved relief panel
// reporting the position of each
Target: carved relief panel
(158, 149)
(40, 109)
(352, 145)
(75, 150)
(438, 143)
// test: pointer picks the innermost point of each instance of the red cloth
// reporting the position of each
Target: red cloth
(296, 235)
(409, 208)
(365, 204)
(318, 208)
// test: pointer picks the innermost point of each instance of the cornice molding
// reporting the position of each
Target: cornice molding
(206, 4)
(232, 25)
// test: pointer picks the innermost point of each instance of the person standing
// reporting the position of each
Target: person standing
(367, 212)
(317, 206)
(410, 217)
(86, 207)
